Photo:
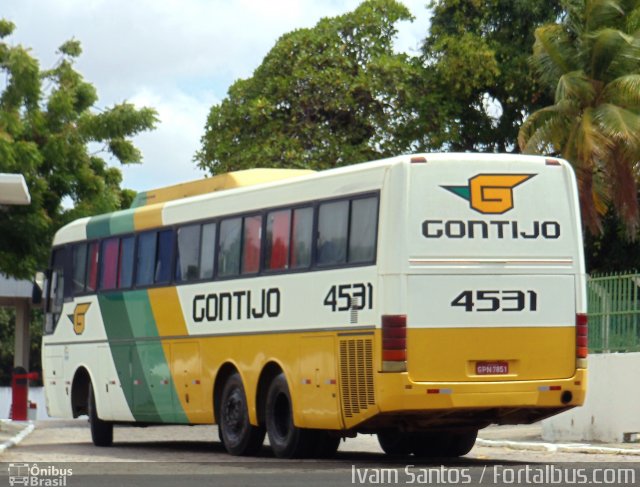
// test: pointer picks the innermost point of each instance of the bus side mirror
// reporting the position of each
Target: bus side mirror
(38, 287)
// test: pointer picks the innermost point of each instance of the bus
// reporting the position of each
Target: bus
(419, 298)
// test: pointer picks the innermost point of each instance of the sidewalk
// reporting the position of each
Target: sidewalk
(529, 437)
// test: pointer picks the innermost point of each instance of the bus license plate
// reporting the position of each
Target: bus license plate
(492, 368)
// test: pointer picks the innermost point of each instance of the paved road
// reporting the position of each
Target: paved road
(193, 456)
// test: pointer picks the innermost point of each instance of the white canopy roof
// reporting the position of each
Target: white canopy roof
(13, 190)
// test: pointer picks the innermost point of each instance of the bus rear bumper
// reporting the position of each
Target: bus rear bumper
(507, 402)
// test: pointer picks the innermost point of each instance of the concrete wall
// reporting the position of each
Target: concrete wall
(36, 394)
(612, 407)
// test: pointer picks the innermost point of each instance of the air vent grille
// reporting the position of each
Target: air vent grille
(356, 375)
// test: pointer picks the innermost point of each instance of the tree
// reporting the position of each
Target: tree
(327, 96)
(591, 59)
(477, 79)
(47, 121)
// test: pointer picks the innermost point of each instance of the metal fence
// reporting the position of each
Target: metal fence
(614, 313)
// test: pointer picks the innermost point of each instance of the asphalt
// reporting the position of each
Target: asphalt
(520, 437)
(13, 432)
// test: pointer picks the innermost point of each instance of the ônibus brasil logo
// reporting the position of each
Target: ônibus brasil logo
(490, 193)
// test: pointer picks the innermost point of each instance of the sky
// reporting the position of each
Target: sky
(177, 56)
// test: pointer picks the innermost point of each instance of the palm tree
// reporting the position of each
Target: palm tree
(591, 57)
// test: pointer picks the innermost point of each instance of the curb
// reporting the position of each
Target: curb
(29, 426)
(557, 447)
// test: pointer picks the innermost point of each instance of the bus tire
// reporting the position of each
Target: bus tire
(238, 435)
(394, 442)
(101, 431)
(429, 444)
(286, 439)
(461, 443)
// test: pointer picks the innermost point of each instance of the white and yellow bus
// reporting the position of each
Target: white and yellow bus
(419, 298)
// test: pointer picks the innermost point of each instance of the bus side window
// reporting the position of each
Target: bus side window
(333, 221)
(109, 263)
(145, 258)
(276, 254)
(187, 267)
(362, 234)
(56, 290)
(229, 251)
(207, 250)
(251, 244)
(125, 265)
(163, 257)
(301, 238)
(92, 267)
(79, 267)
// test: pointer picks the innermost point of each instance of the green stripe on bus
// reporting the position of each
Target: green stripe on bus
(122, 222)
(98, 227)
(147, 385)
(106, 225)
(139, 200)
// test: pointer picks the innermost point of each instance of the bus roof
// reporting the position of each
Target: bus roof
(146, 210)
(236, 179)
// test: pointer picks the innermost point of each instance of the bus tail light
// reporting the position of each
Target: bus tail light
(394, 343)
(581, 335)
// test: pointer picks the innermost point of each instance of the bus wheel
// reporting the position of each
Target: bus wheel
(429, 444)
(461, 443)
(394, 442)
(239, 436)
(101, 431)
(287, 440)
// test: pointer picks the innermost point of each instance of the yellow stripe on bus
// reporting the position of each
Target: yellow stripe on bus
(169, 319)
(148, 217)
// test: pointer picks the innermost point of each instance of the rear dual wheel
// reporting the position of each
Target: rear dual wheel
(286, 439)
(429, 443)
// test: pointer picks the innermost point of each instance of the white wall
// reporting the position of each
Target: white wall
(36, 394)
(612, 407)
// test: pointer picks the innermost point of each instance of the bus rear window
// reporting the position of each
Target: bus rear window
(362, 231)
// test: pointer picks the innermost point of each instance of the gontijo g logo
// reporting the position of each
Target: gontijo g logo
(490, 193)
(78, 317)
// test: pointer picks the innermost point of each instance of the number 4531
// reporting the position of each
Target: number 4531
(511, 300)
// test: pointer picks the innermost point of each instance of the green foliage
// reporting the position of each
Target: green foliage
(610, 251)
(590, 60)
(477, 83)
(47, 121)
(327, 96)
